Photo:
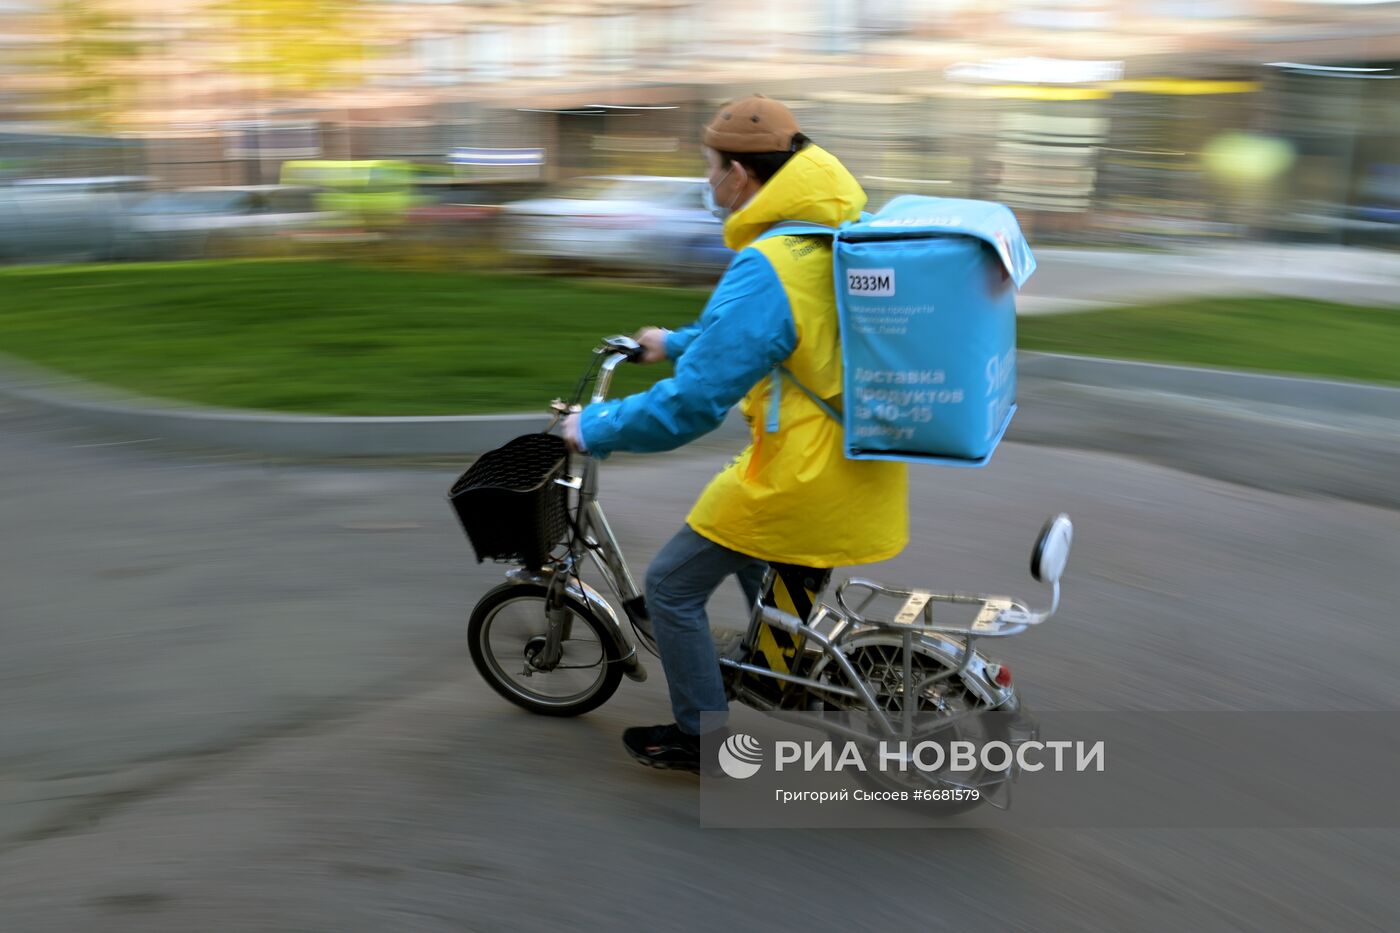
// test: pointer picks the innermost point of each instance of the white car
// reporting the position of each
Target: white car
(192, 222)
(641, 222)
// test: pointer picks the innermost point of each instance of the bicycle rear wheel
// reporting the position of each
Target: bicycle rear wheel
(936, 694)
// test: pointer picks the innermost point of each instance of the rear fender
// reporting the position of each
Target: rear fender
(949, 650)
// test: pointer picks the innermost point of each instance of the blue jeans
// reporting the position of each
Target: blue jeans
(680, 582)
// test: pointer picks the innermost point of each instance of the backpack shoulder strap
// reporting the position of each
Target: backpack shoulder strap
(795, 228)
(781, 372)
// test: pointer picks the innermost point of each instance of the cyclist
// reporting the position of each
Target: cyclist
(791, 500)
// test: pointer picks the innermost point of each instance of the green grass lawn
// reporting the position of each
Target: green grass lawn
(326, 337)
(1285, 335)
(365, 340)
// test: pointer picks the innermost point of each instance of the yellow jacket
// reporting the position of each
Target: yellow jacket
(792, 496)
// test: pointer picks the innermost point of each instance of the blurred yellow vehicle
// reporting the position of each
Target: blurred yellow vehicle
(371, 194)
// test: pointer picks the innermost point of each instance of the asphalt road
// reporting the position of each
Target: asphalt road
(235, 695)
(1074, 279)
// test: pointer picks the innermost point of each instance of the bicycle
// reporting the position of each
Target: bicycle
(878, 657)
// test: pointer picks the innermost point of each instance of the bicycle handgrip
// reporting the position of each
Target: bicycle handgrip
(623, 345)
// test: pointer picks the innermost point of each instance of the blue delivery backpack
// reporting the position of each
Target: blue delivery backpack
(928, 347)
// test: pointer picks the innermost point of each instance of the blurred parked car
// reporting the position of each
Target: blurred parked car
(1372, 220)
(66, 219)
(1380, 201)
(448, 201)
(373, 194)
(639, 222)
(199, 221)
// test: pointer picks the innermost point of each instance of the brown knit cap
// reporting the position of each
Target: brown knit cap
(751, 124)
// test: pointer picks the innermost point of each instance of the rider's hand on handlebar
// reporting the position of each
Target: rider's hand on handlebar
(573, 434)
(653, 341)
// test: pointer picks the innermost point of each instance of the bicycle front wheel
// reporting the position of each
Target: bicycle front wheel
(508, 634)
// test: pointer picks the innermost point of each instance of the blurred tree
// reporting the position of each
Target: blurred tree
(85, 81)
(296, 47)
(290, 50)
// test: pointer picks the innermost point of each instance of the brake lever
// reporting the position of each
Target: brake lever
(561, 409)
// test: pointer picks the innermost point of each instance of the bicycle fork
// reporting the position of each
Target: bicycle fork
(559, 624)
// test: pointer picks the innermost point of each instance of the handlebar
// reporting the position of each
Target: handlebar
(628, 348)
(615, 350)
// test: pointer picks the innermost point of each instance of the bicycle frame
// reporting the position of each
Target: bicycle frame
(833, 630)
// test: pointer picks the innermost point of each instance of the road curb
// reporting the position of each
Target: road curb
(131, 415)
(457, 435)
(1353, 399)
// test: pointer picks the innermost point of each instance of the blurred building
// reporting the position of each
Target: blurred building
(1094, 118)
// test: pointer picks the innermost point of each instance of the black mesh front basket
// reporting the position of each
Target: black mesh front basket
(509, 504)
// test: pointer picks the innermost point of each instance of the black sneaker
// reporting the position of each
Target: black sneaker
(664, 747)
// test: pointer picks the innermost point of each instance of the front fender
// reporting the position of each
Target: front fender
(626, 648)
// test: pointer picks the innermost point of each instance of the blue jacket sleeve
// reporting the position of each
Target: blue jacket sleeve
(745, 330)
(678, 341)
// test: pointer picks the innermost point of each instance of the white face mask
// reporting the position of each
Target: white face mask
(711, 204)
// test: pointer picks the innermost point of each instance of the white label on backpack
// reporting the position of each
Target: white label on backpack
(877, 283)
